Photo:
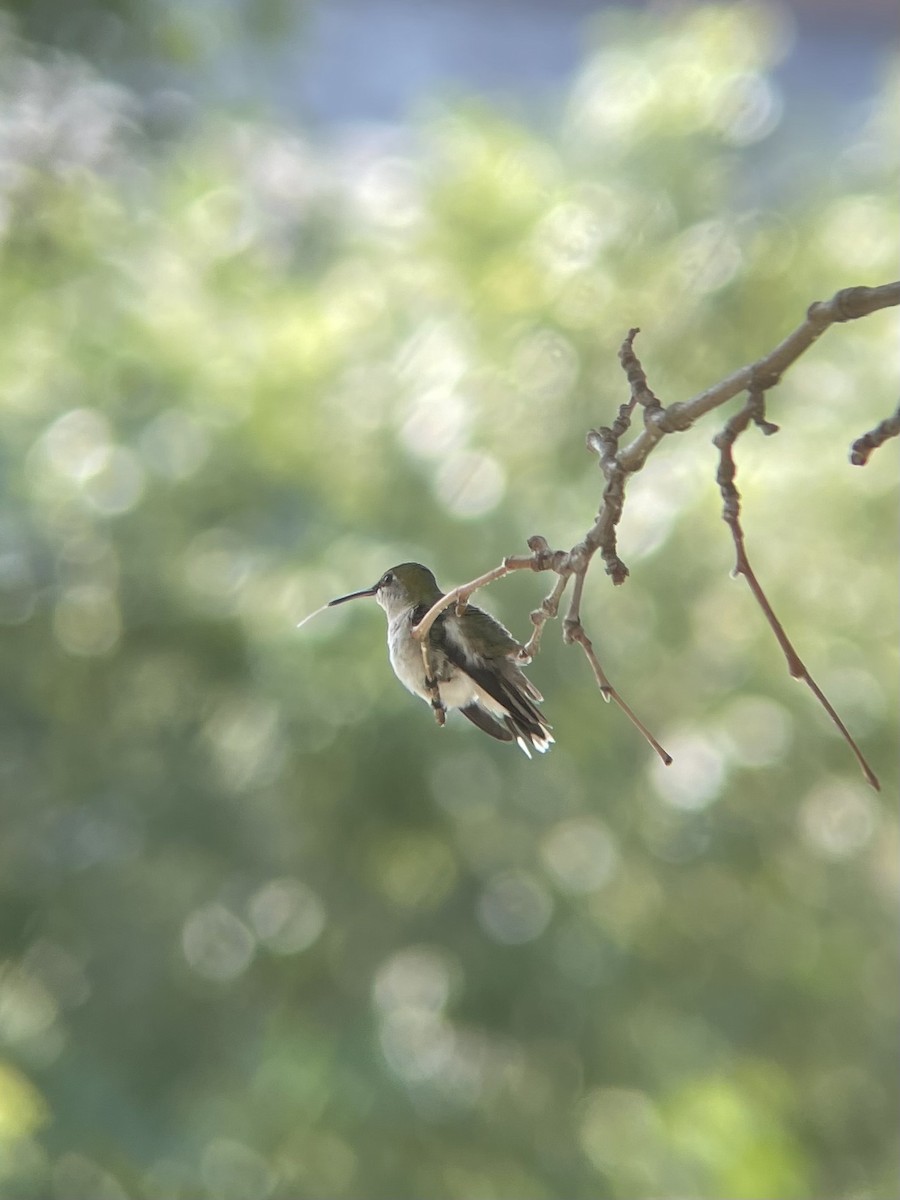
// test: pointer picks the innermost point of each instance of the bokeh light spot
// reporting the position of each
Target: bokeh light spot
(232, 1170)
(216, 944)
(610, 98)
(568, 237)
(859, 233)
(545, 364)
(837, 819)
(27, 1006)
(758, 731)
(246, 741)
(514, 908)
(113, 481)
(75, 444)
(470, 484)
(86, 620)
(217, 565)
(77, 1177)
(417, 1044)
(287, 915)
(696, 775)
(388, 191)
(437, 424)
(580, 854)
(416, 977)
(748, 109)
(62, 972)
(17, 591)
(619, 1128)
(23, 1110)
(708, 256)
(174, 444)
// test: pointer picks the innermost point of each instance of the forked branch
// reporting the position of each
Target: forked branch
(618, 464)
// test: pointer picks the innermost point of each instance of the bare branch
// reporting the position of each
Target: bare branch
(863, 447)
(618, 464)
(753, 410)
(846, 305)
(605, 444)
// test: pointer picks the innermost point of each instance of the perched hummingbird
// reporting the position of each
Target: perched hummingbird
(472, 656)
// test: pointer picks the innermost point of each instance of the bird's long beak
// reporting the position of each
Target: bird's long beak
(353, 596)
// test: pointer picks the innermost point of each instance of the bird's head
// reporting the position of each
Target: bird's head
(405, 586)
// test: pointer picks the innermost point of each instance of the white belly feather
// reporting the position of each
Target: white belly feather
(406, 658)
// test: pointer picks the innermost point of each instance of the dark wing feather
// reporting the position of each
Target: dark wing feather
(505, 683)
(487, 629)
(485, 721)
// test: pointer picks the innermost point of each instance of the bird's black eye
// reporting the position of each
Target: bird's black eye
(387, 578)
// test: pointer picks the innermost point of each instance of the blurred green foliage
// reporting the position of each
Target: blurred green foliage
(155, 38)
(267, 931)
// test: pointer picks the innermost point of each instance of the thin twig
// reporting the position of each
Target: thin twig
(863, 447)
(731, 514)
(605, 444)
(573, 616)
(431, 685)
(576, 633)
(637, 379)
(548, 610)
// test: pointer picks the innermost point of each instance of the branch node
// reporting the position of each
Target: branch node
(863, 446)
(616, 569)
(578, 558)
(637, 379)
(846, 302)
(756, 402)
(763, 379)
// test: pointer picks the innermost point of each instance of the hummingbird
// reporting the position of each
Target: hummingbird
(474, 659)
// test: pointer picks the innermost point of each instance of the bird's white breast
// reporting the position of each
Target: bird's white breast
(406, 654)
(406, 659)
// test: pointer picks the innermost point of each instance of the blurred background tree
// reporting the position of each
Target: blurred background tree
(267, 932)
